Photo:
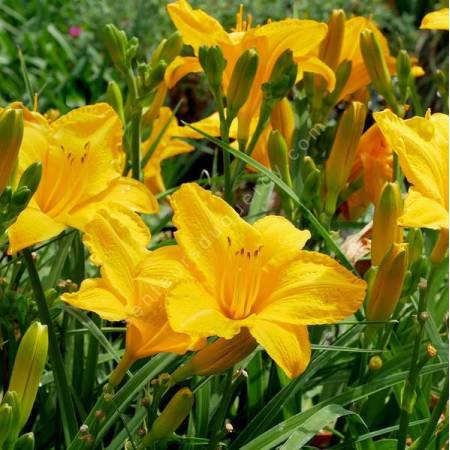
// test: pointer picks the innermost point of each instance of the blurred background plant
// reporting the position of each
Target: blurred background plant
(66, 62)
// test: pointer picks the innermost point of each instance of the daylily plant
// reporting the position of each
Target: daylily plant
(81, 154)
(254, 277)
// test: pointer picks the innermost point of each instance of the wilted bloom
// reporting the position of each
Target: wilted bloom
(28, 367)
(162, 144)
(255, 277)
(385, 287)
(133, 283)
(385, 230)
(82, 158)
(421, 144)
(303, 37)
(436, 20)
(374, 165)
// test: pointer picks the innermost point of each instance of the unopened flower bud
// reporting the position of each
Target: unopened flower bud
(278, 156)
(241, 82)
(375, 363)
(403, 73)
(415, 244)
(283, 120)
(384, 291)
(25, 442)
(282, 78)
(217, 357)
(385, 229)
(376, 66)
(28, 367)
(11, 134)
(171, 417)
(11, 399)
(20, 198)
(330, 48)
(6, 417)
(171, 47)
(115, 99)
(213, 64)
(343, 71)
(116, 43)
(31, 177)
(342, 155)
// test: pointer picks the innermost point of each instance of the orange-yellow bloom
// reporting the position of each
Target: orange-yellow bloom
(436, 20)
(255, 277)
(133, 283)
(421, 144)
(303, 37)
(81, 155)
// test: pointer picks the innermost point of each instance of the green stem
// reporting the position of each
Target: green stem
(409, 390)
(136, 144)
(66, 407)
(121, 369)
(424, 439)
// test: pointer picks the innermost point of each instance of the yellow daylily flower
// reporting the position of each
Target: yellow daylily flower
(374, 163)
(359, 76)
(421, 144)
(436, 20)
(254, 277)
(133, 283)
(303, 37)
(167, 147)
(81, 153)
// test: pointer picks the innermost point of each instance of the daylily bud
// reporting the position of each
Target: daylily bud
(441, 247)
(282, 78)
(149, 78)
(375, 363)
(385, 290)
(25, 442)
(283, 120)
(115, 99)
(11, 398)
(330, 48)
(343, 71)
(6, 416)
(241, 82)
(20, 198)
(419, 270)
(376, 66)
(342, 155)
(171, 417)
(11, 133)
(403, 73)
(31, 177)
(213, 64)
(28, 367)
(171, 47)
(385, 229)
(415, 244)
(116, 43)
(278, 156)
(217, 357)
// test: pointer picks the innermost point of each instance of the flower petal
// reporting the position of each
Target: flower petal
(288, 345)
(32, 226)
(192, 310)
(282, 241)
(311, 289)
(315, 65)
(95, 296)
(179, 68)
(208, 229)
(436, 20)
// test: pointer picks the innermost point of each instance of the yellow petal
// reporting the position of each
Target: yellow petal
(422, 148)
(94, 295)
(207, 228)
(436, 20)
(287, 345)
(121, 193)
(32, 226)
(312, 289)
(196, 27)
(315, 65)
(421, 211)
(192, 310)
(117, 240)
(179, 68)
(282, 241)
